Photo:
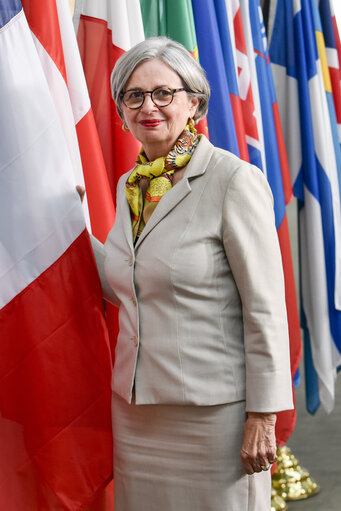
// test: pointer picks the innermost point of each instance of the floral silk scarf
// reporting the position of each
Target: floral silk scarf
(160, 174)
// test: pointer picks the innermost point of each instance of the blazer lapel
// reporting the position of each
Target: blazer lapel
(166, 204)
(123, 211)
(196, 167)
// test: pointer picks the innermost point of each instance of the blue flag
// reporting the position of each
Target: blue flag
(220, 117)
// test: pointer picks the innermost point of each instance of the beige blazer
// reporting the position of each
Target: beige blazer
(201, 296)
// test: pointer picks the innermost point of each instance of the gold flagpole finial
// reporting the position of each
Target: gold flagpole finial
(290, 480)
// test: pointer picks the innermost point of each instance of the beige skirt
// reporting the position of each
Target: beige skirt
(183, 458)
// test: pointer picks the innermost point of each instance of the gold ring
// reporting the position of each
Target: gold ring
(265, 467)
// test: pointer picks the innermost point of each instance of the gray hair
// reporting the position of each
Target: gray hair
(175, 56)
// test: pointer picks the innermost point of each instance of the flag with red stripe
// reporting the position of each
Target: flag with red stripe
(275, 166)
(303, 87)
(244, 87)
(220, 119)
(55, 421)
(106, 29)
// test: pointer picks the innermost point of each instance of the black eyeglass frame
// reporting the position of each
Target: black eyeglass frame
(172, 91)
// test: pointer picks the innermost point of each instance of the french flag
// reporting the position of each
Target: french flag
(55, 366)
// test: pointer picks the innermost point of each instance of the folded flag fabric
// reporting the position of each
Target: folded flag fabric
(105, 30)
(301, 75)
(55, 421)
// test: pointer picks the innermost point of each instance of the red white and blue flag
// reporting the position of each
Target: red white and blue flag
(243, 73)
(275, 167)
(235, 75)
(301, 77)
(233, 51)
(55, 367)
(220, 120)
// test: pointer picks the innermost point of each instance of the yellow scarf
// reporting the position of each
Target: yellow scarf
(160, 174)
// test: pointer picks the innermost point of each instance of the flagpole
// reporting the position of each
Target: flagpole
(72, 6)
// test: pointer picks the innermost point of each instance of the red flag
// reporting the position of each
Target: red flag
(275, 165)
(55, 367)
(108, 28)
(53, 28)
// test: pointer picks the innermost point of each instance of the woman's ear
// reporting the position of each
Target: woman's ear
(193, 105)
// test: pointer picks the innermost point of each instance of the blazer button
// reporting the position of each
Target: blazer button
(131, 261)
(133, 300)
(135, 340)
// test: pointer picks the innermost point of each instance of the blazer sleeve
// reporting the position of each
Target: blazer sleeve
(100, 254)
(252, 248)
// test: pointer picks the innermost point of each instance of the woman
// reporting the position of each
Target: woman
(202, 357)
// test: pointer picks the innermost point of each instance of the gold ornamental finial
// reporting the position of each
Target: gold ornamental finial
(277, 503)
(290, 480)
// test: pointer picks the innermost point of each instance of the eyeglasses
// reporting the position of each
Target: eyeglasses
(161, 96)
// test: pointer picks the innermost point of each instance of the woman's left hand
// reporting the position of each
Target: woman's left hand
(258, 450)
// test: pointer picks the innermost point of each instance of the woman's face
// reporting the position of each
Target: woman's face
(158, 128)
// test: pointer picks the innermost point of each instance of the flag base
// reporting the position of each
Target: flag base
(277, 503)
(290, 480)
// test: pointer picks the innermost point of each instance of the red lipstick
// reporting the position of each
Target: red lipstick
(151, 123)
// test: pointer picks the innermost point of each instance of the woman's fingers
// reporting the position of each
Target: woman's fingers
(253, 463)
(247, 466)
(81, 192)
(258, 450)
(248, 462)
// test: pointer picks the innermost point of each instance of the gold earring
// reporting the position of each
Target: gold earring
(125, 128)
(190, 123)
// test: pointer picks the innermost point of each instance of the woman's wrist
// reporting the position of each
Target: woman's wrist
(259, 414)
(269, 417)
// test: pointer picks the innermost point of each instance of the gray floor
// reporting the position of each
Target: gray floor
(316, 442)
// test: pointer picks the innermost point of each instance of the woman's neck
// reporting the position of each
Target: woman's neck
(159, 150)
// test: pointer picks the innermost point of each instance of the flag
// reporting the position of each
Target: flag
(106, 29)
(337, 41)
(172, 19)
(243, 93)
(305, 114)
(230, 70)
(331, 37)
(175, 20)
(220, 119)
(329, 64)
(69, 91)
(237, 66)
(55, 421)
(51, 25)
(275, 167)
